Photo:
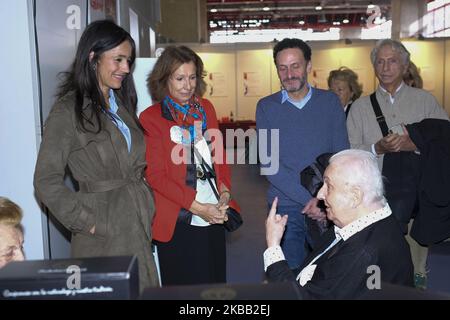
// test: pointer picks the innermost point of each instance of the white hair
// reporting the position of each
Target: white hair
(360, 169)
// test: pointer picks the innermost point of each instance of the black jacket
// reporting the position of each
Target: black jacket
(419, 185)
(342, 272)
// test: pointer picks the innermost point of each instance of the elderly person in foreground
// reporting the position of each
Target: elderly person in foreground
(11, 232)
(365, 247)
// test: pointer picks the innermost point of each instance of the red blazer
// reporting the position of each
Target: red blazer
(167, 179)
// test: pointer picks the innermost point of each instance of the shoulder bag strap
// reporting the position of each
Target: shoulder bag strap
(380, 117)
(206, 168)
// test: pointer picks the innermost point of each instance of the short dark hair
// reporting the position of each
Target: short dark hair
(169, 61)
(292, 43)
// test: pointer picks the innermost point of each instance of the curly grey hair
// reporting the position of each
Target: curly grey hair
(395, 45)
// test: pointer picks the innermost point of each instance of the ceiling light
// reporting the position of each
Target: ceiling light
(345, 21)
(301, 22)
(318, 7)
(213, 10)
(266, 8)
(371, 5)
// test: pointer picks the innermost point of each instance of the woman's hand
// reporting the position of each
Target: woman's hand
(215, 214)
(210, 212)
(224, 199)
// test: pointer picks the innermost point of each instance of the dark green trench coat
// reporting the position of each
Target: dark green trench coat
(113, 195)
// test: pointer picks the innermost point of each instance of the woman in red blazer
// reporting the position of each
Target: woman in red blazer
(187, 171)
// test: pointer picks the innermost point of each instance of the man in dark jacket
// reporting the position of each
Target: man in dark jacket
(364, 248)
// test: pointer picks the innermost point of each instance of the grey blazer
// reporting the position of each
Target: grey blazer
(113, 195)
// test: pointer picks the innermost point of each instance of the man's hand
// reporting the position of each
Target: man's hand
(407, 144)
(313, 211)
(394, 143)
(275, 225)
(388, 144)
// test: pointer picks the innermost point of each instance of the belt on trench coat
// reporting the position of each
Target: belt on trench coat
(105, 185)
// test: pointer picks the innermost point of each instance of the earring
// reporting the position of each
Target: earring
(94, 67)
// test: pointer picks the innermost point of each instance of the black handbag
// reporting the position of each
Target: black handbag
(234, 218)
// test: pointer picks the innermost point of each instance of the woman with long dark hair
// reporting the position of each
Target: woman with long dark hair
(93, 132)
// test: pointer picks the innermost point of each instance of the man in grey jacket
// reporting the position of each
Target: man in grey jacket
(400, 105)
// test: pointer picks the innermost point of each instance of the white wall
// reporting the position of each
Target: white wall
(142, 68)
(57, 38)
(19, 118)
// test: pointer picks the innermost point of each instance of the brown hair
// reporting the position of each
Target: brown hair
(169, 61)
(10, 213)
(349, 76)
(412, 76)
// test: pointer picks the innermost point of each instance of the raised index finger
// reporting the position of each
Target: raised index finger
(273, 209)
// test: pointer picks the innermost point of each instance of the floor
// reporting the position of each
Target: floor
(246, 245)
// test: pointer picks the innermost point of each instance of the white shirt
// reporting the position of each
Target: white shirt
(298, 104)
(275, 254)
(346, 106)
(392, 98)
(204, 192)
